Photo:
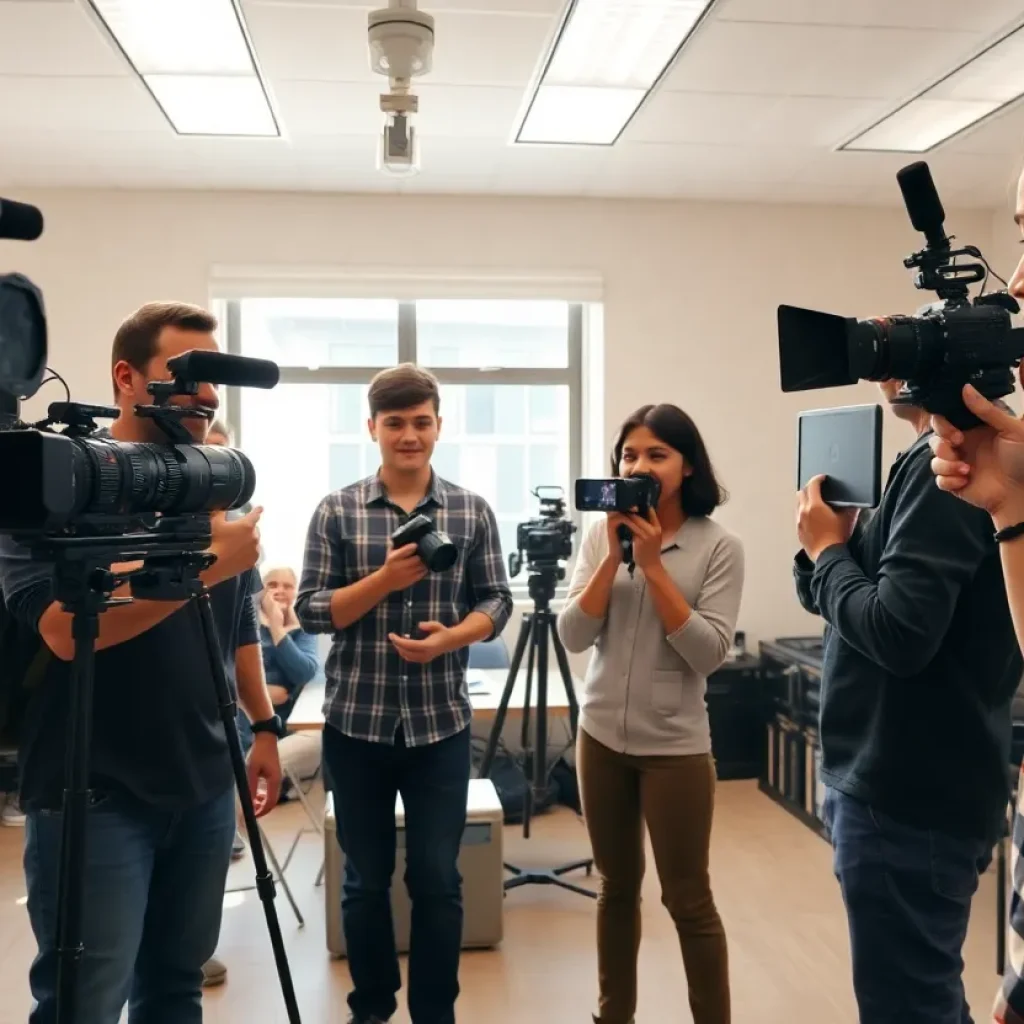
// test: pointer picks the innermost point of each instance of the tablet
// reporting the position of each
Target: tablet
(846, 446)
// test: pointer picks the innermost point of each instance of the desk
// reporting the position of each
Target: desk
(485, 689)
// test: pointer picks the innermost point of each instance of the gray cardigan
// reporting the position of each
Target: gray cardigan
(644, 690)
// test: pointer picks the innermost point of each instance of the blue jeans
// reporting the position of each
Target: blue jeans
(908, 900)
(434, 783)
(153, 892)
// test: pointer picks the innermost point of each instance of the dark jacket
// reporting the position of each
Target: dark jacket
(920, 659)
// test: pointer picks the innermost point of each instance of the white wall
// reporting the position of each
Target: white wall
(690, 298)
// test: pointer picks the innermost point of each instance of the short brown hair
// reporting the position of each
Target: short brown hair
(137, 337)
(402, 387)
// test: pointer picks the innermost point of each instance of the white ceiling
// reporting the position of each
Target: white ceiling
(753, 110)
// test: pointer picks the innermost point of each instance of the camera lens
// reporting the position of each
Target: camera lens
(895, 348)
(62, 479)
(437, 552)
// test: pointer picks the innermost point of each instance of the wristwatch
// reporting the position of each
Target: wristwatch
(272, 724)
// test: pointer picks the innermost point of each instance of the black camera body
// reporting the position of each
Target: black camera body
(545, 541)
(624, 494)
(945, 346)
(434, 548)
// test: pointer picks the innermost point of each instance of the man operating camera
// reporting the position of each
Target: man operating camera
(398, 712)
(161, 817)
(920, 666)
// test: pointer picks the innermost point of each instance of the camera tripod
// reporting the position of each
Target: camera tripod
(538, 626)
(84, 583)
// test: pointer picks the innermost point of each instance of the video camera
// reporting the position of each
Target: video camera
(947, 345)
(637, 494)
(547, 540)
(71, 483)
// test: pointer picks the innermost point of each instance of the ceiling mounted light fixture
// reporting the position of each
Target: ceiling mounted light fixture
(197, 61)
(973, 92)
(607, 58)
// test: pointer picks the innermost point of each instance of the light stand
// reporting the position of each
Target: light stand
(174, 555)
(537, 628)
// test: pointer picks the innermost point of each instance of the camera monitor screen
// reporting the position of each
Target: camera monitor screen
(597, 495)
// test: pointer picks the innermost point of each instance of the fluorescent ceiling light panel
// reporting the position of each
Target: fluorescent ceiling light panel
(989, 82)
(194, 57)
(607, 58)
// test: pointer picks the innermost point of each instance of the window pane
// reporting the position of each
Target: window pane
(480, 410)
(276, 426)
(511, 491)
(345, 466)
(446, 462)
(478, 333)
(321, 332)
(348, 402)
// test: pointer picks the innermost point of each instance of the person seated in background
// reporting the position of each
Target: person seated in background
(289, 662)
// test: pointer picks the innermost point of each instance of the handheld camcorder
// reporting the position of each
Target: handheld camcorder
(637, 494)
(547, 540)
(948, 344)
(434, 548)
(72, 483)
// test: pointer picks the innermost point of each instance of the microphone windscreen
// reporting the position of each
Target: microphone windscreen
(19, 221)
(224, 368)
(922, 200)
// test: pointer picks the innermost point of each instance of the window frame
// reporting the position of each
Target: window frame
(570, 375)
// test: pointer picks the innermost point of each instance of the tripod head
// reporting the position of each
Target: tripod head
(173, 551)
(542, 581)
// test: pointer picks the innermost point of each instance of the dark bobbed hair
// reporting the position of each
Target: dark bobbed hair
(701, 493)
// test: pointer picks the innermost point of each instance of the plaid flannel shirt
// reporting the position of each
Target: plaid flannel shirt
(371, 690)
(1009, 1008)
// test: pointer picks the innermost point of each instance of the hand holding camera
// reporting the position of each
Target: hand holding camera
(236, 543)
(646, 533)
(984, 466)
(402, 568)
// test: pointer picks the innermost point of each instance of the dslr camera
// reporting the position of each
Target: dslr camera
(948, 344)
(434, 548)
(547, 540)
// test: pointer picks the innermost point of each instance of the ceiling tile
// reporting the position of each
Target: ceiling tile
(54, 39)
(913, 14)
(729, 119)
(807, 60)
(330, 45)
(78, 104)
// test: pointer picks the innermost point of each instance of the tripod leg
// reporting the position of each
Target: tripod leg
(264, 879)
(524, 731)
(540, 753)
(570, 690)
(525, 632)
(85, 629)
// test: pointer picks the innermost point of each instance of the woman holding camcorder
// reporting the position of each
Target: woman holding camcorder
(644, 745)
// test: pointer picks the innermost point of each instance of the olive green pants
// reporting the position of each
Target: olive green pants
(674, 796)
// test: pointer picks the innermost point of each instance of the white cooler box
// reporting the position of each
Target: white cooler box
(480, 864)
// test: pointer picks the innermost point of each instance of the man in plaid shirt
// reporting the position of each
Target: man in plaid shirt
(397, 709)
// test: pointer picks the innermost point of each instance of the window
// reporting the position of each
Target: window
(510, 400)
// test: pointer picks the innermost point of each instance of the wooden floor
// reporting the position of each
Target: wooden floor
(773, 883)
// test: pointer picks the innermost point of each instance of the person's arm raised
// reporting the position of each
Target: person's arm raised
(985, 467)
(236, 545)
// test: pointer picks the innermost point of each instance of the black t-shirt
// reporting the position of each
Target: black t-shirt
(156, 730)
(920, 658)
